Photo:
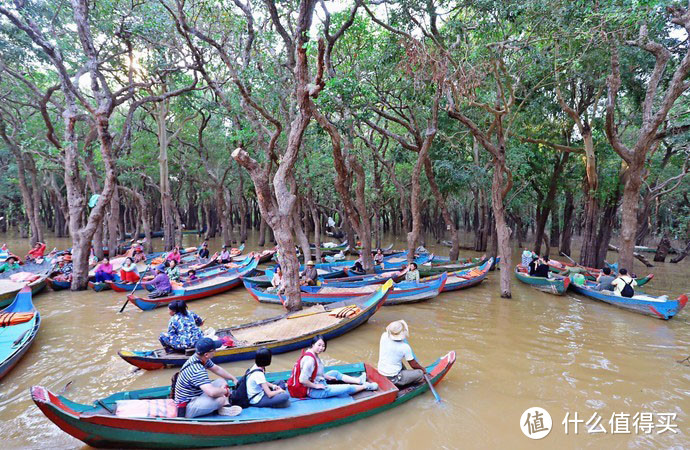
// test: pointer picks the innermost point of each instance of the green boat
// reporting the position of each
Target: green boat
(147, 418)
(556, 286)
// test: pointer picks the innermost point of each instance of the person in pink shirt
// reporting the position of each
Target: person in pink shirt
(174, 255)
(104, 271)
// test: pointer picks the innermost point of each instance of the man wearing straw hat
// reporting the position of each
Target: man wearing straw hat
(393, 348)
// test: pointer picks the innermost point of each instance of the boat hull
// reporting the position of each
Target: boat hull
(149, 360)
(661, 310)
(22, 334)
(402, 293)
(557, 286)
(104, 430)
(36, 287)
(189, 294)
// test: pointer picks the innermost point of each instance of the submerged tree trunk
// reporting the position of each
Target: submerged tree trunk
(567, 224)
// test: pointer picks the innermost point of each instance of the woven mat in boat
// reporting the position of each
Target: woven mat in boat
(210, 282)
(10, 286)
(358, 290)
(287, 328)
(395, 260)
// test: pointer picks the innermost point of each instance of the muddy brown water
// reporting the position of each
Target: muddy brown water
(565, 354)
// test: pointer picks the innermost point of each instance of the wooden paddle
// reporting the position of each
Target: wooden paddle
(427, 379)
(135, 288)
(569, 258)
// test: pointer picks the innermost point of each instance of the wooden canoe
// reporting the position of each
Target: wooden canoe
(10, 289)
(592, 273)
(99, 426)
(16, 339)
(463, 279)
(58, 285)
(280, 334)
(405, 292)
(659, 307)
(556, 286)
(201, 288)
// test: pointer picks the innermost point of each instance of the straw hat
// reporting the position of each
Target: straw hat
(397, 331)
(310, 263)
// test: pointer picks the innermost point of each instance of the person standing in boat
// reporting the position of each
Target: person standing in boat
(260, 392)
(104, 271)
(605, 280)
(183, 328)
(129, 272)
(10, 263)
(624, 285)
(526, 258)
(309, 373)
(310, 275)
(195, 394)
(393, 349)
(160, 282)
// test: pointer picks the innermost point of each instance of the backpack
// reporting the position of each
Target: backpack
(627, 290)
(295, 388)
(239, 396)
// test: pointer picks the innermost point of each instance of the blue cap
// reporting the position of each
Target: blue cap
(160, 268)
(205, 345)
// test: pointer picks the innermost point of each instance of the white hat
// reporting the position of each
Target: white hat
(397, 331)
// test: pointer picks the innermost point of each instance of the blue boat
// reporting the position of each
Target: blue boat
(271, 333)
(659, 307)
(18, 335)
(201, 288)
(463, 279)
(405, 292)
(399, 260)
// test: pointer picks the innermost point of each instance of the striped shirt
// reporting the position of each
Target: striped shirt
(192, 376)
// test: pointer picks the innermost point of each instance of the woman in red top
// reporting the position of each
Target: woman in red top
(36, 252)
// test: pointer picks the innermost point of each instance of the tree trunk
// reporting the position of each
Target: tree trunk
(629, 212)
(317, 227)
(113, 222)
(161, 114)
(301, 236)
(262, 232)
(567, 224)
(441, 203)
(663, 249)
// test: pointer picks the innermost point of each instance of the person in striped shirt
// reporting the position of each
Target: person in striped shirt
(194, 390)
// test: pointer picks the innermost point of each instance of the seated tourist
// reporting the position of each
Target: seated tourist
(542, 268)
(308, 375)
(260, 392)
(605, 280)
(412, 273)
(173, 271)
(195, 394)
(624, 285)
